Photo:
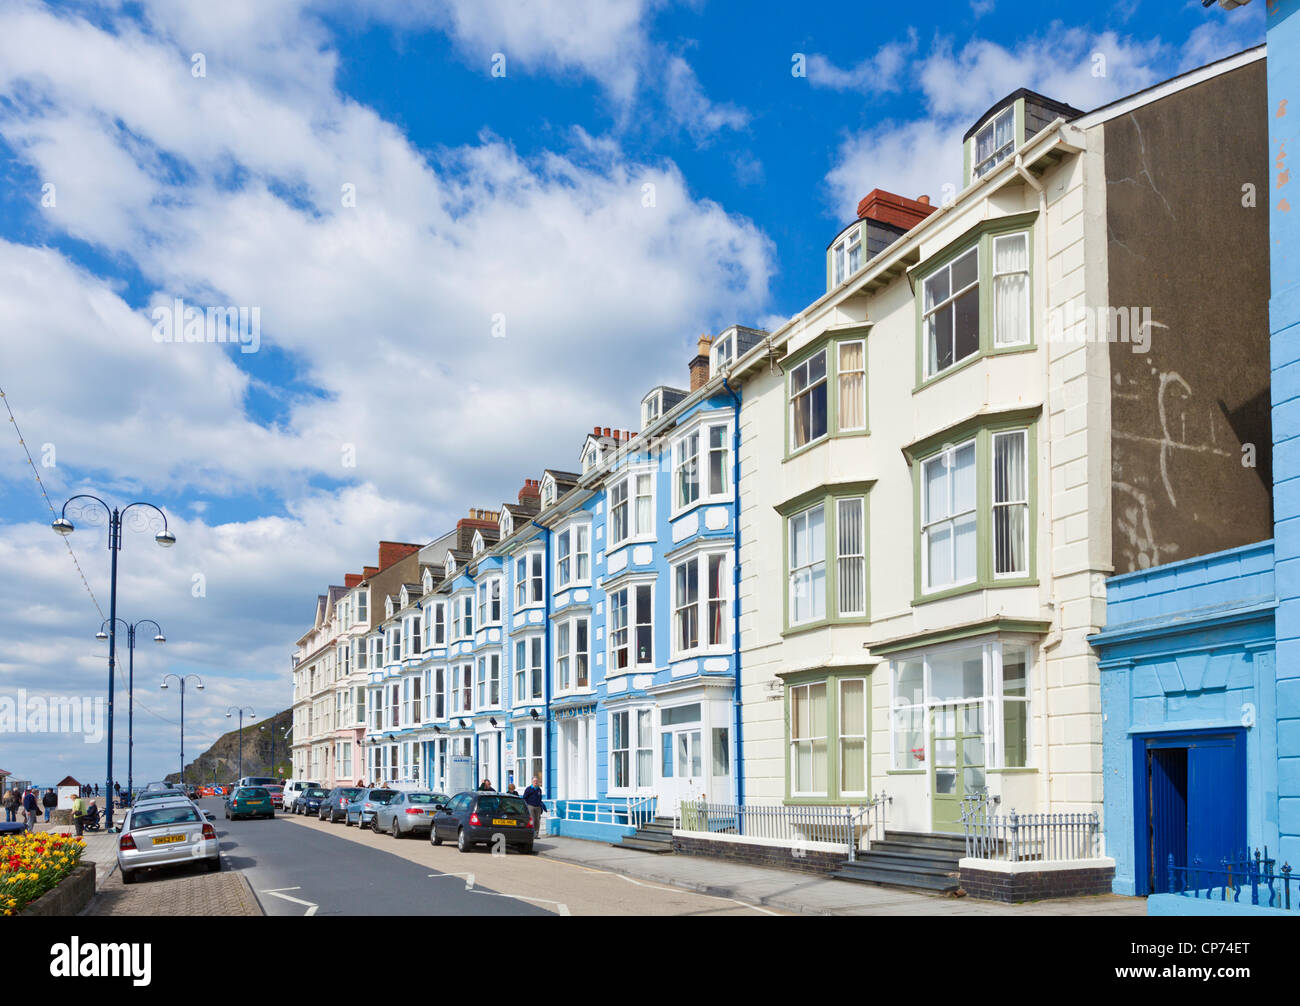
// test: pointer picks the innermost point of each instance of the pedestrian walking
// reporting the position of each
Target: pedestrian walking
(79, 812)
(96, 789)
(11, 804)
(486, 786)
(49, 801)
(533, 799)
(31, 809)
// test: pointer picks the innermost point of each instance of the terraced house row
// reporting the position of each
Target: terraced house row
(865, 555)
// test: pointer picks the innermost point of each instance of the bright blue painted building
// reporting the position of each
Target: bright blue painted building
(1188, 698)
(585, 634)
(1283, 25)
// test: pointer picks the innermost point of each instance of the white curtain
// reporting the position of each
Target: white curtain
(1010, 504)
(853, 381)
(1011, 290)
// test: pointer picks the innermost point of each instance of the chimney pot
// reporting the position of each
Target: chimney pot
(923, 200)
(595, 431)
(893, 209)
(606, 431)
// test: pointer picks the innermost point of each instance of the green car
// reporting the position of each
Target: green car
(249, 801)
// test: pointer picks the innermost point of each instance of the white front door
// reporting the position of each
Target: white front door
(681, 757)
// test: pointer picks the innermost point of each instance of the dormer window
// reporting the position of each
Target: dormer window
(388, 608)
(428, 581)
(651, 408)
(477, 546)
(450, 565)
(846, 255)
(722, 353)
(548, 491)
(591, 458)
(994, 141)
(507, 525)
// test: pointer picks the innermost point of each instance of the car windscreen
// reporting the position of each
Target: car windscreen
(510, 805)
(351, 793)
(276, 789)
(429, 798)
(315, 793)
(160, 816)
(253, 793)
(381, 795)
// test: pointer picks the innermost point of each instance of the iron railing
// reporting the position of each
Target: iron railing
(1019, 838)
(636, 812)
(842, 826)
(1269, 887)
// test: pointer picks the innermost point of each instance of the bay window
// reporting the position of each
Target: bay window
(631, 754)
(631, 630)
(573, 556)
(807, 565)
(948, 524)
(528, 669)
(853, 735)
(808, 407)
(808, 776)
(701, 595)
(850, 555)
(686, 469)
(489, 681)
(528, 755)
(572, 654)
(1010, 503)
(528, 579)
(851, 373)
(631, 508)
(951, 313)
(1011, 289)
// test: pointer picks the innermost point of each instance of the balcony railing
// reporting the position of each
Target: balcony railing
(1256, 877)
(784, 824)
(1019, 838)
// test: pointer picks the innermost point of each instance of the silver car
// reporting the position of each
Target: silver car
(164, 832)
(410, 812)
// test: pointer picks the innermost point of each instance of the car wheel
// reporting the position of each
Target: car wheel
(128, 876)
(462, 843)
(397, 832)
(434, 837)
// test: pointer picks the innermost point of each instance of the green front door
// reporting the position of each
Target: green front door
(958, 760)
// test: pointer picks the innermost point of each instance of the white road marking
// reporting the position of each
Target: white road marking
(469, 878)
(561, 908)
(279, 893)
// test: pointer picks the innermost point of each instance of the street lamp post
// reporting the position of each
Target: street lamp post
(130, 691)
(252, 715)
(283, 733)
(182, 681)
(164, 538)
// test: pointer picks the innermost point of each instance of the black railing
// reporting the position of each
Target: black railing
(1268, 886)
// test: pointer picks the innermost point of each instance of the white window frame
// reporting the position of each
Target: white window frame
(1021, 502)
(842, 266)
(1027, 272)
(947, 458)
(568, 627)
(636, 619)
(630, 486)
(703, 603)
(982, 167)
(804, 573)
(530, 591)
(578, 571)
(793, 397)
(950, 300)
(528, 675)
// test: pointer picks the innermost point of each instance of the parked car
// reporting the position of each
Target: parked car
(363, 806)
(335, 805)
(474, 817)
(408, 812)
(309, 800)
(291, 790)
(249, 801)
(277, 796)
(154, 795)
(160, 832)
(258, 780)
(192, 791)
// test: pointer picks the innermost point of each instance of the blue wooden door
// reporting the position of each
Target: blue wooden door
(1216, 806)
(1167, 813)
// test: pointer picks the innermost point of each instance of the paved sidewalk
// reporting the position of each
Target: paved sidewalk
(807, 894)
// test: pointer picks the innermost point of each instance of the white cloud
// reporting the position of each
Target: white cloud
(956, 84)
(382, 312)
(881, 73)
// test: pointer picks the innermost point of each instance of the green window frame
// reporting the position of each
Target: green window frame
(844, 370)
(1006, 491)
(1004, 281)
(844, 554)
(835, 744)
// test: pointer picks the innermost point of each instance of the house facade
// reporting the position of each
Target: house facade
(945, 456)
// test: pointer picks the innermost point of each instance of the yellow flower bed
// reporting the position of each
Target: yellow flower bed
(33, 863)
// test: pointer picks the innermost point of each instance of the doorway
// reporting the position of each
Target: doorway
(958, 762)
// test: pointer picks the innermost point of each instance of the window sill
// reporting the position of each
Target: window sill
(1031, 770)
(969, 588)
(907, 771)
(933, 379)
(727, 499)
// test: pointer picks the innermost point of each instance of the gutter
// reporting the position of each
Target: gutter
(737, 762)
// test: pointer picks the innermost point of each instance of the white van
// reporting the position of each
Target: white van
(291, 790)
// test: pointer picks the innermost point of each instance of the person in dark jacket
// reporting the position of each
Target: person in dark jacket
(31, 809)
(49, 801)
(486, 785)
(533, 798)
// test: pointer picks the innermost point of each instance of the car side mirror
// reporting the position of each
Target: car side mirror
(209, 815)
(439, 806)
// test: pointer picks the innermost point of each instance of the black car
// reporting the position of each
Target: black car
(334, 807)
(474, 817)
(309, 800)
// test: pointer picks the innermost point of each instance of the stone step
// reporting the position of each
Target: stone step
(640, 845)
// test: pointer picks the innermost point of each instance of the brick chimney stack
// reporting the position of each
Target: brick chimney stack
(369, 571)
(699, 367)
(531, 490)
(350, 580)
(394, 551)
(895, 210)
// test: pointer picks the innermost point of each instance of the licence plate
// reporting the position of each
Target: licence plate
(254, 803)
(506, 820)
(168, 839)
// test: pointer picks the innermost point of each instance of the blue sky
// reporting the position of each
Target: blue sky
(476, 196)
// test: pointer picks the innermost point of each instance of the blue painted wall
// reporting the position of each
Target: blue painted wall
(1283, 26)
(1188, 647)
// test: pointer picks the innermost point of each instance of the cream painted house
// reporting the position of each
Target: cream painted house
(939, 469)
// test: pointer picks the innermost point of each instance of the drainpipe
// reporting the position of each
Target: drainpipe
(546, 658)
(1054, 638)
(737, 764)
